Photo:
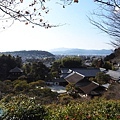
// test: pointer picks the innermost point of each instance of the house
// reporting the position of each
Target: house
(15, 73)
(74, 77)
(90, 88)
(80, 77)
(86, 72)
(115, 75)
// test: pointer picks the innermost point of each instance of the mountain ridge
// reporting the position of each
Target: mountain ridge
(29, 54)
(76, 51)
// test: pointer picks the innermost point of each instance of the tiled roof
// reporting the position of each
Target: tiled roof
(88, 88)
(115, 75)
(106, 85)
(63, 75)
(59, 80)
(74, 77)
(83, 82)
(16, 69)
(87, 72)
(64, 70)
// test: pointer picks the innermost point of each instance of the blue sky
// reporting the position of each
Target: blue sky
(77, 32)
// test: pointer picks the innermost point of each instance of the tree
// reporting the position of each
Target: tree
(108, 65)
(36, 84)
(71, 62)
(8, 62)
(27, 68)
(97, 63)
(20, 86)
(107, 19)
(55, 69)
(23, 11)
(39, 71)
(102, 78)
(29, 12)
(21, 107)
(114, 3)
(32, 12)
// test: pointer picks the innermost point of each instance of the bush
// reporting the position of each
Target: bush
(97, 109)
(65, 99)
(39, 83)
(113, 92)
(20, 85)
(22, 107)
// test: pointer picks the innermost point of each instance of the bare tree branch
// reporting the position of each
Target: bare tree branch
(30, 13)
(107, 19)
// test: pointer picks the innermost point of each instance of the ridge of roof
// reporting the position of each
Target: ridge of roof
(16, 69)
(74, 77)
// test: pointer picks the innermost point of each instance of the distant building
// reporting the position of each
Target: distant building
(115, 75)
(74, 77)
(80, 77)
(15, 73)
(86, 72)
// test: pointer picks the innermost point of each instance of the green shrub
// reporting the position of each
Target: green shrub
(22, 107)
(39, 83)
(65, 99)
(89, 110)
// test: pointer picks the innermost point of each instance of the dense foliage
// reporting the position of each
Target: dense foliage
(36, 89)
(34, 101)
(36, 71)
(30, 54)
(101, 78)
(115, 56)
(8, 62)
(103, 63)
(71, 62)
(97, 109)
(21, 107)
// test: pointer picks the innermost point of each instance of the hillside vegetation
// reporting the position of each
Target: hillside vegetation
(29, 54)
(115, 56)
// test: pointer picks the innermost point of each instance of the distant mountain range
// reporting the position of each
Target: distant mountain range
(74, 51)
(36, 54)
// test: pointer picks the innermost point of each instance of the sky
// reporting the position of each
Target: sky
(76, 31)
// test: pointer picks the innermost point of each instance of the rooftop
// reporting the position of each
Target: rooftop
(115, 75)
(91, 86)
(74, 77)
(17, 70)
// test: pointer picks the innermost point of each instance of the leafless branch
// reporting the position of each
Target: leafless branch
(32, 14)
(107, 19)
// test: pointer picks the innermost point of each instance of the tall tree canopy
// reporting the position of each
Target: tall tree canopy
(70, 62)
(36, 71)
(8, 62)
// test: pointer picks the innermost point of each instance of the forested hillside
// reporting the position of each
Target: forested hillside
(29, 54)
(115, 56)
